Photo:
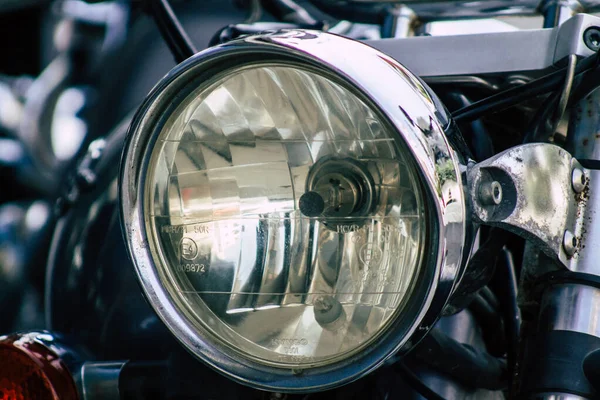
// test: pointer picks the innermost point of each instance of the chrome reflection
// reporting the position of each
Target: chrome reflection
(415, 120)
(240, 165)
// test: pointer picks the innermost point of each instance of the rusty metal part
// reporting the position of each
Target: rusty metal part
(538, 200)
(584, 143)
(586, 258)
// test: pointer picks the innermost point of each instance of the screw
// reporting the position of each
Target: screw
(578, 180)
(490, 193)
(591, 38)
(323, 304)
(569, 243)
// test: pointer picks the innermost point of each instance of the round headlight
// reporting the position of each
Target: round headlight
(287, 201)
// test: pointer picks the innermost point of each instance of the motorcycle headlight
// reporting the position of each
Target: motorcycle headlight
(293, 209)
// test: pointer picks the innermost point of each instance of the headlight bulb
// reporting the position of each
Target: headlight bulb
(345, 186)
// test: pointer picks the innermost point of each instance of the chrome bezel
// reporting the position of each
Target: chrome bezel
(419, 122)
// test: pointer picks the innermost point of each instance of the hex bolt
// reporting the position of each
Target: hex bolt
(569, 243)
(591, 38)
(578, 180)
(490, 193)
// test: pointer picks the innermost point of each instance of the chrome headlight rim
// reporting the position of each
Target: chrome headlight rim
(300, 47)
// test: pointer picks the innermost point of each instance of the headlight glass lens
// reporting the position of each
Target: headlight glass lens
(284, 217)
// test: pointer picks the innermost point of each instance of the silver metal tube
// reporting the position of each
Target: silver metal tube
(400, 23)
(559, 396)
(576, 307)
(100, 380)
(571, 307)
(558, 11)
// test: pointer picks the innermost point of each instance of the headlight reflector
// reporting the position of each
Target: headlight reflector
(293, 209)
(246, 260)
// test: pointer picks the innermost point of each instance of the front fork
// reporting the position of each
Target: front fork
(561, 354)
(551, 197)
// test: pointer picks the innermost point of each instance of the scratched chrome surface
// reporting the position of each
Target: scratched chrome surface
(418, 125)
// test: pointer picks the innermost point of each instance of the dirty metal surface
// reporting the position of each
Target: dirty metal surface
(538, 199)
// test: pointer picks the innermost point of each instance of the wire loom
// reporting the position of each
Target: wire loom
(584, 71)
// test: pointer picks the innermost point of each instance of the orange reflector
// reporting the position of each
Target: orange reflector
(31, 370)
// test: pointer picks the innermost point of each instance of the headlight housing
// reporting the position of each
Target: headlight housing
(293, 209)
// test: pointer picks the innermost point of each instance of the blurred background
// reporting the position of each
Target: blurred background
(70, 72)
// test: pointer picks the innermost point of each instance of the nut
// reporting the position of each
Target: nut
(591, 38)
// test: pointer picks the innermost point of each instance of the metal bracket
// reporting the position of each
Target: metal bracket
(538, 191)
(525, 51)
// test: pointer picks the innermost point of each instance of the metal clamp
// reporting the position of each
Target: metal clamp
(538, 191)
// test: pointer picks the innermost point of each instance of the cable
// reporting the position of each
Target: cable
(490, 297)
(171, 30)
(492, 324)
(255, 12)
(586, 83)
(516, 95)
(417, 384)
(289, 11)
(541, 122)
(512, 317)
(461, 362)
(566, 92)
(545, 121)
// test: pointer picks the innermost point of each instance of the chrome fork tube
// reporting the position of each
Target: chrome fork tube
(567, 329)
(570, 307)
(558, 11)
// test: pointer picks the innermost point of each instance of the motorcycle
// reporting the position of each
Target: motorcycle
(334, 199)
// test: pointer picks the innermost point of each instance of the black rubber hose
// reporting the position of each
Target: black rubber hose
(512, 318)
(474, 132)
(289, 11)
(539, 128)
(361, 13)
(143, 380)
(461, 362)
(518, 94)
(490, 297)
(492, 324)
(417, 384)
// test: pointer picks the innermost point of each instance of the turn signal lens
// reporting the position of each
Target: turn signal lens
(29, 370)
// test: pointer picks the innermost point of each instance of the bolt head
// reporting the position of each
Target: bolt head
(578, 180)
(569, 243)
(591, 38)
